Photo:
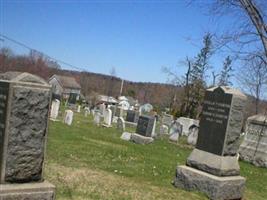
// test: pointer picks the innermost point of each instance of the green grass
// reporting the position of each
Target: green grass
(89, 162)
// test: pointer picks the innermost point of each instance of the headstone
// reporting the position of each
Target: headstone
(132, 116)
(187, 123)
(78, 109)
(254, 147)
(145, 126)
(102, 108)
(24, 112)
(86, 111)
(126, 136)
(97, 117)
(167, 119)
(68, 117)
(120, 124)
(193, 134)
(54, 109)
(164, 129)
(212, 167)
(113, 110)
(176, 130)
(140, 139)
(107, 117)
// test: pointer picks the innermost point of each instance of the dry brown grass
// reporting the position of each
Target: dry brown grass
(84, 183)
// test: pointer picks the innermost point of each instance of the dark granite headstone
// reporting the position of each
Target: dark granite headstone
(214, 120)
(24, 108)
(145, 126)
(132, 116)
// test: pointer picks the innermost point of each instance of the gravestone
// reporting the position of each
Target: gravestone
(164, 129)
(107, 117)
(187, 123)
(68, 117)
(176, 130)
(132, 116)
(167, 119)
(102, 108)
(145, 126)
(54, 109)
(78, 109)
(120, 124)
(212, 167)
(126, 136)
(254, 147)
(113, 110)
(97, 117)
(193, 135)
(86, 111)
(24, 112)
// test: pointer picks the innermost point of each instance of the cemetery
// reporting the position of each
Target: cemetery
(92, 157)
(181, 113)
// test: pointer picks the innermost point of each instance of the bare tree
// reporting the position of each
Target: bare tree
(253, 79)
(248, 34)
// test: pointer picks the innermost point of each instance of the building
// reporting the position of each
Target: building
(65, 87)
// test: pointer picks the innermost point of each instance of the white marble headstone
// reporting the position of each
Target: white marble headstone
(108, 117)
(68, 117)
(54, 109)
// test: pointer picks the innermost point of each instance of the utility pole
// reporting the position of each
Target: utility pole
(122, 81)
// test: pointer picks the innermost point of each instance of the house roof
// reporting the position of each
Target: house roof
(67, 81)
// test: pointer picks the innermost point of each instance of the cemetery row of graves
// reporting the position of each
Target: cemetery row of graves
(109, 152)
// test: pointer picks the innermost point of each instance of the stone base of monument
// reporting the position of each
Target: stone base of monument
(215, 187)
(26, 191)
(214, 164)
(139, 139)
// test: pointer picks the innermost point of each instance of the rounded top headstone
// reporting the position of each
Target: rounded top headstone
(13, 76)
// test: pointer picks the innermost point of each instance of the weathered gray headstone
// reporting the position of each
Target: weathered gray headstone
(120, 124)
(24, 112)
(145, 126)
(167, 119)
(212, 167)
(140, 139)
(254, 147)
(187, 123)
(97, 117)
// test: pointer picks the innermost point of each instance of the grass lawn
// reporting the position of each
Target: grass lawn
(89, 162)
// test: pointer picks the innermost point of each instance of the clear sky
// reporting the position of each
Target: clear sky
(137, 38)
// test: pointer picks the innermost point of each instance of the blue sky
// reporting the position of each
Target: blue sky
(137, 38)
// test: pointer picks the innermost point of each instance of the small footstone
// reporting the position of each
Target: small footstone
(139, 139)
(126, 136)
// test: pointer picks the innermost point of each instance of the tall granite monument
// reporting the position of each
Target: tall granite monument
(24, 112)
(213, 167)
